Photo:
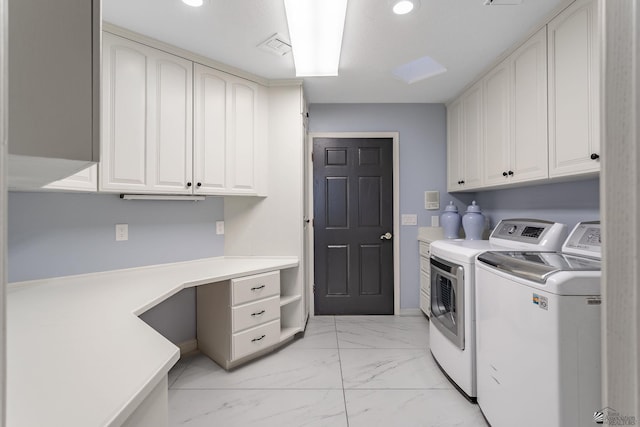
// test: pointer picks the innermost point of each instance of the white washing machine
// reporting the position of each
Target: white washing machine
(538, 334)
(452, 323)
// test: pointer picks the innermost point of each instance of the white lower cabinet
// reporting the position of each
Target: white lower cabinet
(425, 278)
(240, 319)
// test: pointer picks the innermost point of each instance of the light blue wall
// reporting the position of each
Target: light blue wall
(56, 234)
(567, 202)
(422, 129)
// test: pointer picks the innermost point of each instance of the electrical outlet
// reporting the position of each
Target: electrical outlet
(122, 232)
(219, 227)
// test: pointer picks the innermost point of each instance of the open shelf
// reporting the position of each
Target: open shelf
(288, 332)
(284, 300)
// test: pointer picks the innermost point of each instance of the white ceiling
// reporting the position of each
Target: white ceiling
(463, 35)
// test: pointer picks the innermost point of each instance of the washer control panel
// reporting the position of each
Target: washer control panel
(584, 240)
(544, 235)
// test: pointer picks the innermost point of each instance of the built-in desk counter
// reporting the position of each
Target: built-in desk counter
(78, 355)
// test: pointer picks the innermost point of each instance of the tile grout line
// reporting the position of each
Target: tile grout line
(344, 395)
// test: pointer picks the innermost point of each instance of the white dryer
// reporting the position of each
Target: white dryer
(538, 334)
(452, 323)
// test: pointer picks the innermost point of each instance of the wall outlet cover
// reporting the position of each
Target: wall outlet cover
(122, 232)
(409, 219)
(219, 227)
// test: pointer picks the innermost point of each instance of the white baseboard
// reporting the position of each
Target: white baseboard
(187, 347)
(411, 312)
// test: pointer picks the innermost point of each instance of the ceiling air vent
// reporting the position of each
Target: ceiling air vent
(502, 2)
(276, 44)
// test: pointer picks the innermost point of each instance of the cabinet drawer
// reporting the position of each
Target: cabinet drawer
(255, 313)
(251, 288)
(425, 249)
(255, 339)
(425, 282)
(425, 303)
(425, 265)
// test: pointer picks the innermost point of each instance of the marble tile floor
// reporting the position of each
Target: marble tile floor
(347, 371)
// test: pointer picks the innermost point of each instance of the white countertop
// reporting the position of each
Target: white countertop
(430, 234)
(78, 355)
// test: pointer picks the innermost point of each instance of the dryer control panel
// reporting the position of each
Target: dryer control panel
(584, 240)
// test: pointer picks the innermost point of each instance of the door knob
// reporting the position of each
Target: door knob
(386, 236)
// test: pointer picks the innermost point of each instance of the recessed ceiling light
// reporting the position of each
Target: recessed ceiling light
(402, 7)
(194, 3)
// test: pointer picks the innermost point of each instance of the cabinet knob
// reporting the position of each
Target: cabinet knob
(462, 182)
(595, 156)
(510, 173)
(188, 184)
(199, 184)
(504, 174)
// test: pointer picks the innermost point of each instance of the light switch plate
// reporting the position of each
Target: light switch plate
(219, 227)
(409, 219)
(122, 232)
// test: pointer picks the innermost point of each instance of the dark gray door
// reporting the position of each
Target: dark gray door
(353, 210)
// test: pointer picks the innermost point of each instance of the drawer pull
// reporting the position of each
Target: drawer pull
(257, 288)
(260, 313)
(258, 339)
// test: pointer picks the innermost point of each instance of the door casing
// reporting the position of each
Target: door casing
(309, 252)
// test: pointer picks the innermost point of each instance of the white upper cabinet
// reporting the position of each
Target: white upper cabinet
(454, 145)
(53, 89)
(515, 112)
(210, 130)
(574, 97)
(227, 137)
(528, 149)
(465, 141)
(497, 124)
(147, 116)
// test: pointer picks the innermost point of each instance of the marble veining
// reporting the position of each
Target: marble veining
(355, 371)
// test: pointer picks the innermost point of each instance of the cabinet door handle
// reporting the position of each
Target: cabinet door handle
(188, 184)
(259, 313)
(258, 339)
(257, 288)
(595, 156)
(510, 173)
(199, 184)
(504, 174)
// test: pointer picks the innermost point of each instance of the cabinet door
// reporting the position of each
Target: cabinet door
(497, 126)
(125, 85)
(147, 107)
(454, 145)
(210, 130)
(472, 137)
(574, 91)
(529, 148)
(170, 148)
(242, 138)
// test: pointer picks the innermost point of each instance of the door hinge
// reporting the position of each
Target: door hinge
(314, 288)
(312, 156)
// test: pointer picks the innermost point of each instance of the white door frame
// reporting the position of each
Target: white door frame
(395, 136)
